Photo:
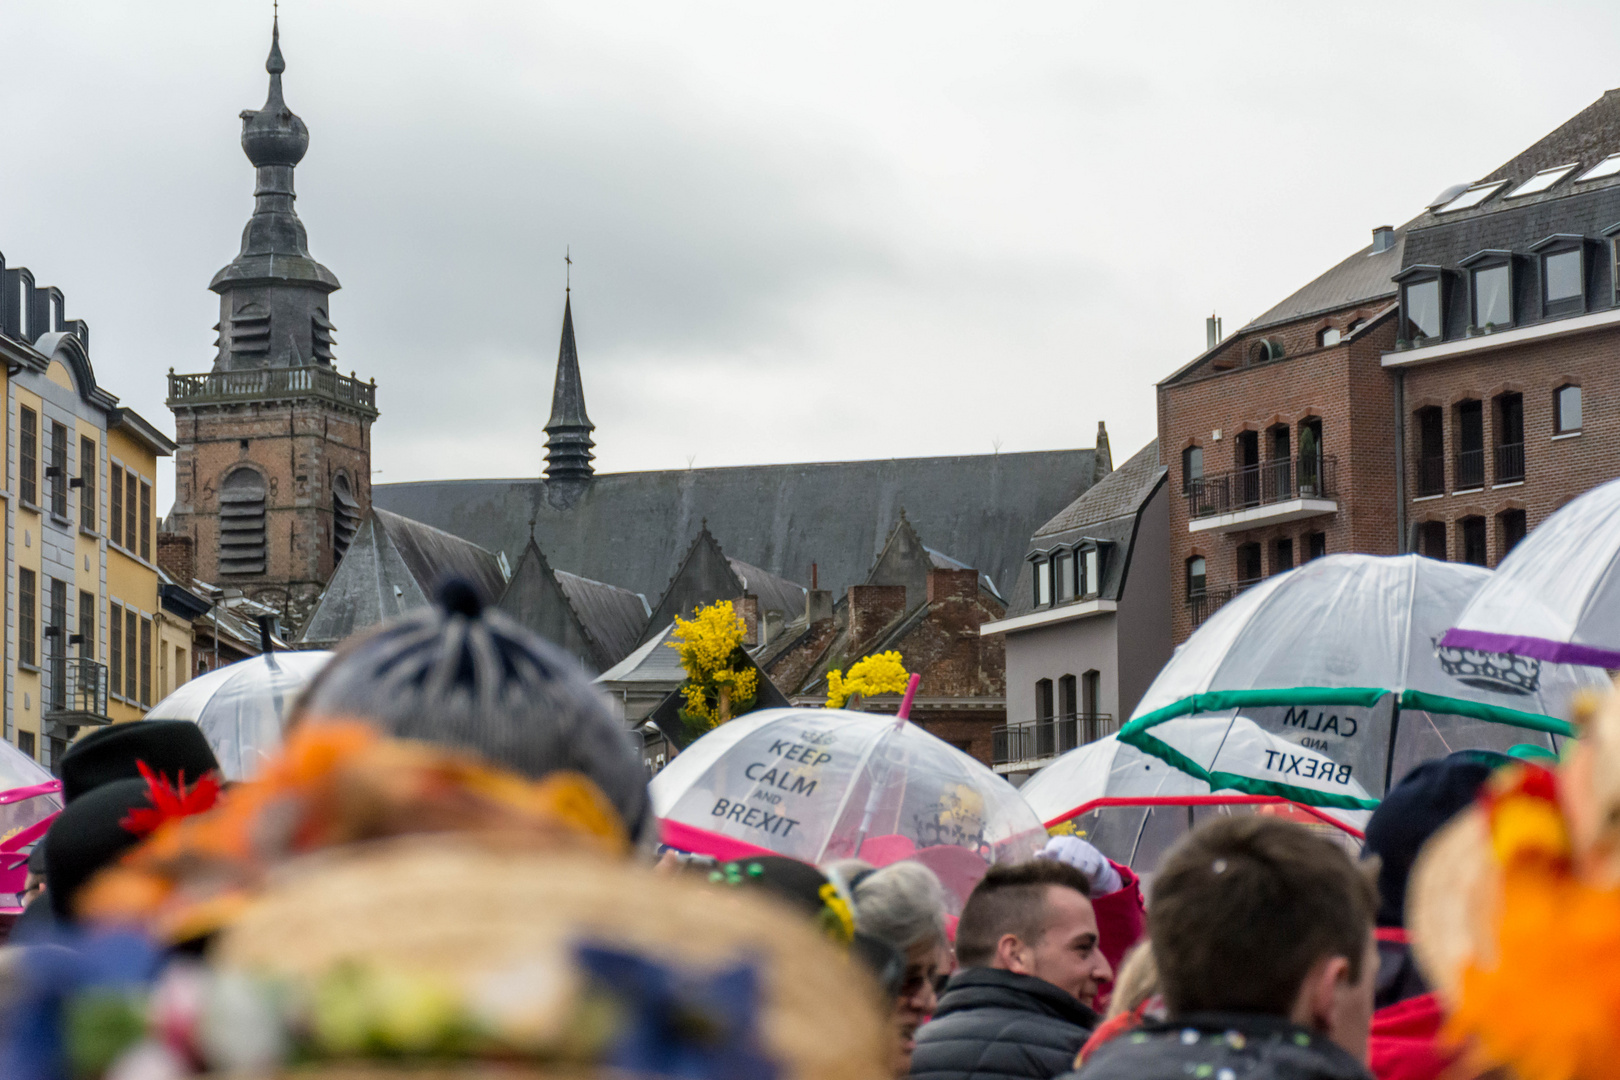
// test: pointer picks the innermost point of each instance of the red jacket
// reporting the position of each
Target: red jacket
(1405, 1035)
(1121, 917)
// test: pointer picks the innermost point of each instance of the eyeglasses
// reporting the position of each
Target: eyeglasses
(913, 983)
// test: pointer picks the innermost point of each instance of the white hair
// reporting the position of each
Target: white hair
(902, 904)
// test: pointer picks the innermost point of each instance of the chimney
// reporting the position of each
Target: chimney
(747, 609)
(176, 558)
(818, 605)
(952, 585)
(1383, 239)
(773, 626)
(1102, 459)
(871, 609)
(1212, 331)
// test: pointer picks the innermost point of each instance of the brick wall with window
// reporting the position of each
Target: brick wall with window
(1550, 420)
(1260, 409)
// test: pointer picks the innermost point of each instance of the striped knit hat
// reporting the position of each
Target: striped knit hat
(461, 676)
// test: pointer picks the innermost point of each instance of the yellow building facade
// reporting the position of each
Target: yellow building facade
(86, 642)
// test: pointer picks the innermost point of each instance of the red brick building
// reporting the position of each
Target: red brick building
(1441, 391)
(1279, 439)
(1504, 362)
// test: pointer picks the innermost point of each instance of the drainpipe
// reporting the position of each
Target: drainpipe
(1400, 461)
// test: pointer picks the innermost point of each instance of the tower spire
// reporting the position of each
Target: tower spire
(568, 432)
(273, 309)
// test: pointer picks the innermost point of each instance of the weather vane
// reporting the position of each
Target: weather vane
(568, 272)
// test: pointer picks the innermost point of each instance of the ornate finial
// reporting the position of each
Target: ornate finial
(568, 273)
(531, 527)
(275, 65)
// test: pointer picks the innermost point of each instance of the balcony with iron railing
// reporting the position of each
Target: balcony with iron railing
(1202, 603)
(76, 693)
(273, 384)
(1431, 475)
(1470, 469)
(1014, 747)
(1271, 493)
(1509, 463)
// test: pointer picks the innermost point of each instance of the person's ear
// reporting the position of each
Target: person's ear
(1317, 1003)
(1010, 954)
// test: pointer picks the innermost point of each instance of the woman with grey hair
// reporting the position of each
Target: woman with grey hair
(903, 905)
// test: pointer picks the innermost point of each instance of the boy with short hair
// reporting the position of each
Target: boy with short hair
(1263, 934)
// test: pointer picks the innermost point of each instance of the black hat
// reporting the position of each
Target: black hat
(170, 747)
(1414, 810)
(87, 836)
(798, 883)
(461, 676)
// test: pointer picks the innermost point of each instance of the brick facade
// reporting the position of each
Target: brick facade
(298, 448)
(1341, 387)
(1556, 466)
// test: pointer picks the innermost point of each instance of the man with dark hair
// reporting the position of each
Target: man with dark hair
(1263, 934)
(1020, 1008)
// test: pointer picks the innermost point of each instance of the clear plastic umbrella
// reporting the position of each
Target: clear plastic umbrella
(1342, 657)
(29, 798)
(241, 707)
(1556, 597)
(1133, 806)
(824, 784)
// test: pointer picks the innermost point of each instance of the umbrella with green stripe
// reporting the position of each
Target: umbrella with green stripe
(1341, 658)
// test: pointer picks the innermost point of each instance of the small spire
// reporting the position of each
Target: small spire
(275, 65)
(568, 432)
(568, 273)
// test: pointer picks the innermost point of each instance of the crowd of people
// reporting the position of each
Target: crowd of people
(452, 865)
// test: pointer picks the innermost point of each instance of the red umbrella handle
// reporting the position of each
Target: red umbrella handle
(911, 693)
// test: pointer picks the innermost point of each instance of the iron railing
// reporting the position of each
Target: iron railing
(1204, 603)
(78, 690)
(316, 381)
(1470, 469)
(1509, 462)
(1431, 478)
(1033, 740)
(1313, 477)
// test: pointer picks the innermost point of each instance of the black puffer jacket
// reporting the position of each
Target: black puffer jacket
(1221, 1046)
(995, 1025)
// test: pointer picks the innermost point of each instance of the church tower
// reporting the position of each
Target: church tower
(273, 472)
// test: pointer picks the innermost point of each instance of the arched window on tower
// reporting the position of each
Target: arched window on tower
(345, 517)
(241, 523)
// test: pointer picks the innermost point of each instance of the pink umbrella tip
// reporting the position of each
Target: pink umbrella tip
(911, 694)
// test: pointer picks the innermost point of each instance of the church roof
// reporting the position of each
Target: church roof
(391, 567)
(634, 528)
(596, 622)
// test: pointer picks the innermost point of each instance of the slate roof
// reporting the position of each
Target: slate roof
(633, 529)
(1363, 276)
(652, 662)
(774, 593)
(1110, 511)
(392, 566)
(614, 616)
(1570, 206)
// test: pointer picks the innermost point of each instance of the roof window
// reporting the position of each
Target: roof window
(1540, 182)
(1472, 197)
(1609, 166)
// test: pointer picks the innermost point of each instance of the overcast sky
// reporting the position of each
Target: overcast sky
(800, 231)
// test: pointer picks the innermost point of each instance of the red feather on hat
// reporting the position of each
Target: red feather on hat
(170, 802)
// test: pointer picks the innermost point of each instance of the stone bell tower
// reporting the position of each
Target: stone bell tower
(273, 473)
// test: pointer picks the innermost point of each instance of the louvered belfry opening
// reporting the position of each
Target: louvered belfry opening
(345, 517)
(241, 523)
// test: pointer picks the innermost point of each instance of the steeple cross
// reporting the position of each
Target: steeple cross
(569, 271)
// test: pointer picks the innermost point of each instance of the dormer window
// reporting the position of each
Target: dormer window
(1563, 275)
(1329, 337)
(1063, 576)
(1043, 583)
(1422, 298)
(1490, 290)
(1091, 572)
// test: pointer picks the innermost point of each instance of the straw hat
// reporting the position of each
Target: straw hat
(504, 925)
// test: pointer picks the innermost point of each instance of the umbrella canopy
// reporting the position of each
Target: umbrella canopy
(1556, 597)
(824, 784)
(1342, 657)
(30, 798)
(241, 707)
(1132, 806)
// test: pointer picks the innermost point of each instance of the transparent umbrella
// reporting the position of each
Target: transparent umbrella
(241, 707)
(824, 784)
(1342, 657)
(1133, 806)
(30, 798)
(1556, 597)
